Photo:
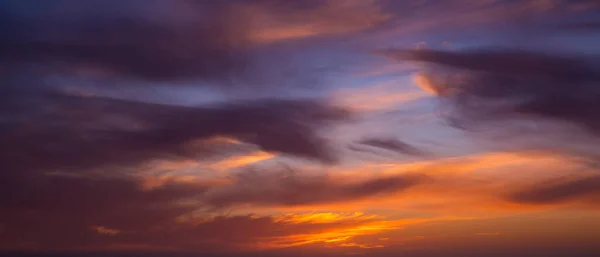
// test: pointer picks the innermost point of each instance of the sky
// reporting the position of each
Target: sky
(300, 128)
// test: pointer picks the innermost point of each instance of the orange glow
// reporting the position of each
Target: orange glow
(349, 226)
(324, 217)
(464, 186)
(240, 161)
(425, 83)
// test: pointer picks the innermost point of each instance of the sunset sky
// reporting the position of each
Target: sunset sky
(275, 128)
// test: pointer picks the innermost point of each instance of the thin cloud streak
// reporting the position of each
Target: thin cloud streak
(392, 144)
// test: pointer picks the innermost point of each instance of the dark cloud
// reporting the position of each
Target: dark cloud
(392, 144)
(69, 34)
(66, 152)
(58, 212)
(289, 188)
(524, 64)
(79, 133)
(509, 89)
(217, 44)
(562, 190)
(51, 120)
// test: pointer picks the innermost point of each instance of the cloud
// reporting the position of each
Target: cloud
(438, 17)
(281, 188)
(110, 211)
(240, 161)
(94, 157)
(100, 213)
(560, 190)
(392, 144)
(71, 153)
(62, 123)
(74, 133)
(509, 89)
(475, 185)
(79, 212)
(271, 22)
(221, 44)
(126, 42)
(424, 82)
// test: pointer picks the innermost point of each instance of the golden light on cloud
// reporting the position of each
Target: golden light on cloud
(340, 230)
(343, 231)
(240, 161)
(322, 217)
(465, 164)
(425, 83)
(222, 139)
(461, 186)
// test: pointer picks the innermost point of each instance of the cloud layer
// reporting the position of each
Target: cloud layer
(233, 126)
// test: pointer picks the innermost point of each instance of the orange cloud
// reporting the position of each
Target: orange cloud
(463, 189)
(240, 161)
(323, 217)
(354, 225)
(467, 186)
(425, 83)
(317, 229)
(275, 23)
